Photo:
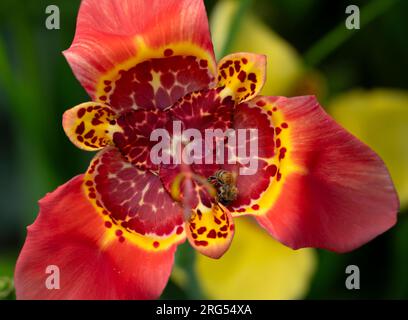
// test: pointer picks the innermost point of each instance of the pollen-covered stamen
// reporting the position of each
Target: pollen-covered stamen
(90, 125)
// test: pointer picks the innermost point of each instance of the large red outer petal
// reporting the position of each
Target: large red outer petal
(69, 233)
(335, 192)
(115, 35)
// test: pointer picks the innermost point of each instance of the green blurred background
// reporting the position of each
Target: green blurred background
(37, 85)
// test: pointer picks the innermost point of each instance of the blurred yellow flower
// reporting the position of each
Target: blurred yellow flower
(380, 119)
(284, 65)
(259, 268)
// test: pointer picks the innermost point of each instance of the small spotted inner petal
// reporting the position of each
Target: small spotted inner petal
(210, 231)
(90, 125)
(241, 75)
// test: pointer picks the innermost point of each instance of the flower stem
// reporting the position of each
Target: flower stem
(340, 34)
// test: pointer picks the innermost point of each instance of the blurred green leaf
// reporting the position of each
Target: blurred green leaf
(185, 259)
(336, 37)
(7, 263)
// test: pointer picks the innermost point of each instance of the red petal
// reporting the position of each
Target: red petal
(133, 140)
(211, 230)
(142, 54)
(69, 233)
(134, 199)
(203, 110)
(334, 192)
(264, 164)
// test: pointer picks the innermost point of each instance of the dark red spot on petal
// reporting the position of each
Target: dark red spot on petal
(80, 128)
(201, 230)
(203, 63)
(168, 52)
(272, 169)
(201, 243)
(212, 234)
(252, 77)
(242, 76)
(81, 113)
(237, 66)
(89, 134)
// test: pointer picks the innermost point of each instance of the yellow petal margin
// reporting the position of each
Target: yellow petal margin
(284, 67)
(256, 267)
(379, 118)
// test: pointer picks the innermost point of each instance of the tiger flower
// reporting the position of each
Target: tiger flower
(113, 231)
